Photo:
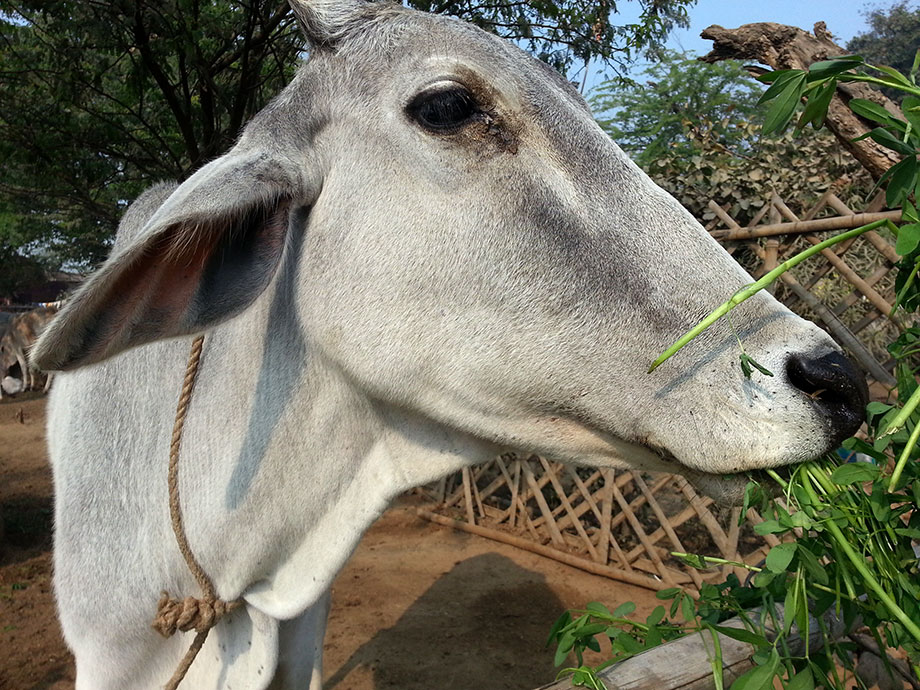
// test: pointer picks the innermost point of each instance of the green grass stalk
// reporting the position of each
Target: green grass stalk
(900, 419)
(749, 291)
(870, 581)
(905, 454)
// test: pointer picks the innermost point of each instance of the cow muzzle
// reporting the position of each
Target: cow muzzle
(835, 387)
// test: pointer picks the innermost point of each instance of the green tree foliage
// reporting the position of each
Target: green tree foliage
(893, 37)
(681, 103)
(98, 99)
(696, 130)
(567, 32)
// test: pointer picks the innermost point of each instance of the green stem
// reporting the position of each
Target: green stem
(612, 619)
(901, 417)
(905, 454)
(717, 561)
(880, 82)
(860, 564)
(749, 291)
(817, 472)
(829, 590)
(715, 661)
(774, 475)
(904, 290)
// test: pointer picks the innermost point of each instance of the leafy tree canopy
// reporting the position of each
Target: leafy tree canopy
(893, 37)
(696, 130)
(681, 102)
(100, 98)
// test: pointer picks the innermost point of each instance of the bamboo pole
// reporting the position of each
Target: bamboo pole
(468, 496)
(734, 531)
(640, 533)
(854, 279)
(639, 501)
(806, 226)
(604, 538)
(666, 526)
(515, 487)
(867, 321)
(855, 295)
(517, 496)
(724, 217)
(760, 214)
(832, 200)
(564, 499)
(879, 242)
(550, 523)
(561, 556)
(843, 334)
(701, 506)
(590, 502)
(678, 520)
(475, 487)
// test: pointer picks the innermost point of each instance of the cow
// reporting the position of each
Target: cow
(423, 252)
(22, 332)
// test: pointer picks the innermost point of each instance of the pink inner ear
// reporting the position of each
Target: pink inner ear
(150, 298)
(187, 279)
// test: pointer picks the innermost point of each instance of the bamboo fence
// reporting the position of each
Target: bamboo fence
(626, 524)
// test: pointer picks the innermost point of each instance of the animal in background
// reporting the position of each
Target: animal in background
(21, 333)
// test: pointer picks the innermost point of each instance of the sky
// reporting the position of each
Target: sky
(844, 19)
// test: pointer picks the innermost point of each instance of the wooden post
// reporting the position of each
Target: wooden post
(468, 495)
(603, 537)
(548, 520)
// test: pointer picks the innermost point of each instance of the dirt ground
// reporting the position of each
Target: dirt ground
(417, 606)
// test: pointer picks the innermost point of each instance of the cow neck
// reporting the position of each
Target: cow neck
(189, 613)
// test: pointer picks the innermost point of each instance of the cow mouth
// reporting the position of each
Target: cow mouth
(726, 489)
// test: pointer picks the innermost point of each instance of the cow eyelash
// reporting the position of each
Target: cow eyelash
(444, 109)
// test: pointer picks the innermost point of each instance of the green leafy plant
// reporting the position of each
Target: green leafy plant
(848, 530)
(627, 637)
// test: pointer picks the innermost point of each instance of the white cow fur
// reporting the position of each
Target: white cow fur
(432, 299)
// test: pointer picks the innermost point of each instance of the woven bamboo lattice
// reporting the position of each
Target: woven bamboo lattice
(625, 524)
(618, 523)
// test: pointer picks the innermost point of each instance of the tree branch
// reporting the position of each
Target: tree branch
(787, 47)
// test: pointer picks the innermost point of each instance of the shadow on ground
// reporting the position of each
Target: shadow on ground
(479, 636)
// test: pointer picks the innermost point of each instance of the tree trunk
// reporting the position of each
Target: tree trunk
(786, 47)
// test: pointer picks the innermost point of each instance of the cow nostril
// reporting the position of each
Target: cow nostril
(836, 386)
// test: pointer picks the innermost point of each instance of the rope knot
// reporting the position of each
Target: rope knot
(190, 613)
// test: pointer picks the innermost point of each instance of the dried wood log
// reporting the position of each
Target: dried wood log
(786, 47)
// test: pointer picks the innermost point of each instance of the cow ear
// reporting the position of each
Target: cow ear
(203, 256)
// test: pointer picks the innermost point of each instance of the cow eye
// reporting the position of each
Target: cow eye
(444, 109)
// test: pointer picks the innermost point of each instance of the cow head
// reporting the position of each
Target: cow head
(472, 248)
